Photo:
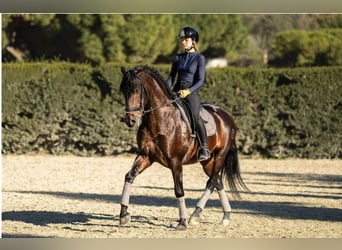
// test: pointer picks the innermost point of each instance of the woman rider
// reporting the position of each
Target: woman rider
(190, 67)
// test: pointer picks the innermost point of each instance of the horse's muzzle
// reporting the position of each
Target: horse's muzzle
(132, 120)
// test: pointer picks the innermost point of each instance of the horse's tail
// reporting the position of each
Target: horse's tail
(231, 171)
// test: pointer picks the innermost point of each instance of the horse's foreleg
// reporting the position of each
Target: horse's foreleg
(177, 174)
(125, 217)
(140, 164)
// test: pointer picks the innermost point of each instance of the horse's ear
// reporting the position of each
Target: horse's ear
(123, 70)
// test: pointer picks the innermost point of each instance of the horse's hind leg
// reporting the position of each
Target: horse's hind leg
(213, 183)
(140, 164)
(224, 202)
(195, 216)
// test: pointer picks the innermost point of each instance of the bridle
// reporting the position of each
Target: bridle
(141, 108)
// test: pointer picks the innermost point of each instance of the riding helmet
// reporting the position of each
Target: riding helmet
(189, 31)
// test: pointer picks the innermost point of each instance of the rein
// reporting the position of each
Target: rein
(145, 111)
(141, 109)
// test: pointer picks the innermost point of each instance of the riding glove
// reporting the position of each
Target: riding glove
(184, 93)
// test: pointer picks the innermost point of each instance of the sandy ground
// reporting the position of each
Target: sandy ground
(78, 197)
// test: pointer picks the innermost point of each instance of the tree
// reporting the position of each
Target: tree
(19, 32)
(221, 35)
(307, 48)
(264, 27)
(147, 36)
(113, 47)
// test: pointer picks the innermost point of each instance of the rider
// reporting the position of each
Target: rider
(190, 67)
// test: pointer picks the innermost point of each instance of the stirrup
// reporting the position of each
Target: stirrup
(203, 154)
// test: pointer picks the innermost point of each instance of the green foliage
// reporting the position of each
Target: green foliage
(225, 41)
(264, 27)
(58, 108)
(37, 19)
(73, 108)
(137, 38)
(148, 36)
(92, 46)
(151, 38)
(282, 113)
(303, 48)
(112, 42)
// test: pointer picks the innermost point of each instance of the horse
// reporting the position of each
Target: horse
(163, 136)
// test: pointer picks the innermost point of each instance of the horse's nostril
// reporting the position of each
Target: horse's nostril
(130, 121)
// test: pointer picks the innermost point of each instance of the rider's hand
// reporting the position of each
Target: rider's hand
(184, 93)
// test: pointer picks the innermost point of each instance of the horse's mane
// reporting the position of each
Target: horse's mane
(131, 75)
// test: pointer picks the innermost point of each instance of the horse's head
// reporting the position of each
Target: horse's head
(145, 90)
(133, 90)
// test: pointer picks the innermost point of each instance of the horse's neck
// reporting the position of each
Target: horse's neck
(161, 104)
(165, 116)
(158, 98)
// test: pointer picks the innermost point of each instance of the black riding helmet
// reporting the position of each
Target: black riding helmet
(189, 31)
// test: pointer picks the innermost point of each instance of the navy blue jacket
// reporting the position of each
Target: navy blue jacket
(190, 68)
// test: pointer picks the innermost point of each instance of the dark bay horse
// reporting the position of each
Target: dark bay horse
(164, 137)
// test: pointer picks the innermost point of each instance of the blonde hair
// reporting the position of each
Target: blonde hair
(195, 45)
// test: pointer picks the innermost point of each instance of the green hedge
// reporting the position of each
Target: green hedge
(73, 108)
(60, 108)
(284, 112)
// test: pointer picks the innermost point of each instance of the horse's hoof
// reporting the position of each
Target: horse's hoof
(194, 220)
(225, 222)
(226, 219)
(181, 225)
(125, 220)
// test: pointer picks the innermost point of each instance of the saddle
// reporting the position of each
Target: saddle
(208, 120)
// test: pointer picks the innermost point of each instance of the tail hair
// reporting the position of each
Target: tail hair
(231, 172)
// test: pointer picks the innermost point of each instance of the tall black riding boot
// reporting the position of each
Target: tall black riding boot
(203, 152)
